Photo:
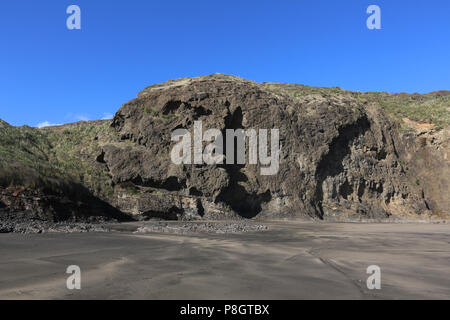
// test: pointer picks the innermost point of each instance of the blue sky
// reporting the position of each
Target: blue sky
(49, 73)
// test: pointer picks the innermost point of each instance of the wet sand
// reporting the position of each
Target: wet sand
(292, 260)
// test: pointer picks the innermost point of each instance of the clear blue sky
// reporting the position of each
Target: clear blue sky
(49, 73)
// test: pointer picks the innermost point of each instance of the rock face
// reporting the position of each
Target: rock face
(24, 205)
(339, 158)
(427, 158)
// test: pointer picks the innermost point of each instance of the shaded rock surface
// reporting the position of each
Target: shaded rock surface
(37, 205)
(426, 157)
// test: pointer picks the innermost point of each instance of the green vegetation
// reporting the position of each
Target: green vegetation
(298, 90)
(422, 108)
(168, 117)
(54, 158)
(433, 108)
(24, 155)
(149, 110)
(130, 188)
(154, 113)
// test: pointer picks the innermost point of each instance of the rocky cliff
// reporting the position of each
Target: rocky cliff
(343, 155)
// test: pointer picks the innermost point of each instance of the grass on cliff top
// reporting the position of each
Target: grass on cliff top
(181, 82)
(430, 108)
(422, 108)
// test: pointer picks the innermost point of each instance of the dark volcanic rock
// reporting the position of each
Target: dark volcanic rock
(35, 226)
(25, 206)
(201, 227)
(339, 158)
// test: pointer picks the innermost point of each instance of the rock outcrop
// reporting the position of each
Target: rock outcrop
(341, 157)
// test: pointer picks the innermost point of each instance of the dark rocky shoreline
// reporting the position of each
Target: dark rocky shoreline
(201, 227)
(180, 227)
(33, 227)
